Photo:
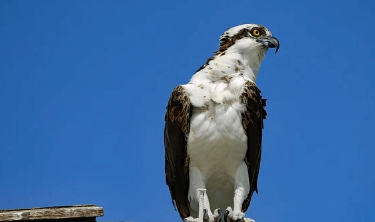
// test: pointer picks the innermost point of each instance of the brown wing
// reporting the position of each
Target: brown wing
(252, 121)
(177, 126)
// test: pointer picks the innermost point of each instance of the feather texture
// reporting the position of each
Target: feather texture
(213, 129)
(177, 125)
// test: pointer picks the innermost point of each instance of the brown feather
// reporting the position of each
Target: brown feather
(226, 42)
(252, 121)
(177, 127)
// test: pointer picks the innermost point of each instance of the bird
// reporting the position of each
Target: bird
(213, 129)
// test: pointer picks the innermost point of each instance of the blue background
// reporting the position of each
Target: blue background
(84, 86)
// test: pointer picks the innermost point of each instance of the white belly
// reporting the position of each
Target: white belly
(217, 143)
(217, 147)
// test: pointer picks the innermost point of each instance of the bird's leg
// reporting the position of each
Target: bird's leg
(202, 213)
(209, 217)
(242, 188)
(239, 197)
(202, 192)
(198, 195)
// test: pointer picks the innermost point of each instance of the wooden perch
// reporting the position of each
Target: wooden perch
(75, 213)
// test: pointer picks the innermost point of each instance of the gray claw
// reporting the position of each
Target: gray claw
(221, 215)
(205, 215)
(220, 212)
(226, 215)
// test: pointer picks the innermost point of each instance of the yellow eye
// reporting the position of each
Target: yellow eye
(256, 32)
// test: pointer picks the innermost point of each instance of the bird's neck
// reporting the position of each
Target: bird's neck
(230, 62)
(252, 56)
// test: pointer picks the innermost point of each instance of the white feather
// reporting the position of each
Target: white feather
(217, 143)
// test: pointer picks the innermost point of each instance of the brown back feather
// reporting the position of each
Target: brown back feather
(252, 121)
(177, 127)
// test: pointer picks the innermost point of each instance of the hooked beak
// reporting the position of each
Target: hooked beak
(270, 42)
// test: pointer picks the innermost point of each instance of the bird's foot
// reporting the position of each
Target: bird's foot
(228, 212)
(219, 215)
(232, 216)
(191, 219)
(207, 217)
(237, 216)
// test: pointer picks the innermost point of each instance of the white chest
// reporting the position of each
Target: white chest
(217, 140)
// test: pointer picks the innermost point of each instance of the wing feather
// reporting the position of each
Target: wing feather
(177, 126)
(252, 121)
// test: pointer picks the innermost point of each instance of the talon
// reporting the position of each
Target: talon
(220, 215)
(228, 212)
(216, 215)
(226, 216)
(237, 216)
(205, 215)
(219, 212)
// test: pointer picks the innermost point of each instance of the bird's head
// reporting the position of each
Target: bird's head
(249, 39)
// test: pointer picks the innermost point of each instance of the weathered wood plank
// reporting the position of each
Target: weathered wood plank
(52, 213)
(79, 219)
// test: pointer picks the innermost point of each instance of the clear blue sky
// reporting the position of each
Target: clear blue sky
(84, 86)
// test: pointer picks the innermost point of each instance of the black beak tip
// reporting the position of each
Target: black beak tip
(275, 44)
(277, 49)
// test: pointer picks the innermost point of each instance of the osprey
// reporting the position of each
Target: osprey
(213, 129)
